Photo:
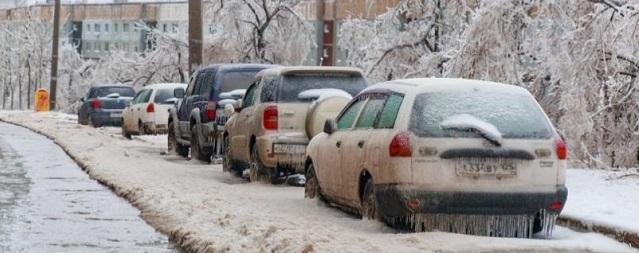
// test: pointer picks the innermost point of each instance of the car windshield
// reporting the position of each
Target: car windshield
(237, 80)
(292, 85)
(514, 115)
(123, 91)
(162, 95)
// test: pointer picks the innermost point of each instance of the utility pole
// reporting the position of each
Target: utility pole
(195, 35)
(54, 55)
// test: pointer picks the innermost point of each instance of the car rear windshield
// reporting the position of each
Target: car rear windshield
(162, 95)
(292, 85)
(105, 91)
(514, 115)
(236, 80)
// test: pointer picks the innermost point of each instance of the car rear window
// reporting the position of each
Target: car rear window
(236, 80)
(514, 115)
(292, 85)
(162, 95)
(105, 91)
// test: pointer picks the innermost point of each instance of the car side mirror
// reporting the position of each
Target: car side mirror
(178, 93)
(238, 105)
(330, 126)
(82, 99)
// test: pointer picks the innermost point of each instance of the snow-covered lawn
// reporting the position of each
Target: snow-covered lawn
(604, 197)
(206, 210)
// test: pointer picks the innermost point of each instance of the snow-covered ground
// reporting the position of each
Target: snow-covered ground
(206, 210)
(604, 197)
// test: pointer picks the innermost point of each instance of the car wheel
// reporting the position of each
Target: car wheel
(173, 145)
(196, 150)
(312, 187)
(94, 123)
(227, 160)
(125, 133)
(80, 121)
(369, 202)
(141, 130)
(257, 171)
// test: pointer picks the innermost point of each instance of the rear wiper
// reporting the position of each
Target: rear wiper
(470, 123)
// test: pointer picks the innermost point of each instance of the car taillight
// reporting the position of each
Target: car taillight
(96, 104)
(400, 145)
(211, 110)
(150, 108)
(560, 148)
(555, 206)
(269, 118)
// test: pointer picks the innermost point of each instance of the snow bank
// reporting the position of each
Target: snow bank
(470, 122)
(205, 210)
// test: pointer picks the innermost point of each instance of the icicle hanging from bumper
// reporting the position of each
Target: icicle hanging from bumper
(483, 225)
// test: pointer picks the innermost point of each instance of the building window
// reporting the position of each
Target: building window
(106, 46)
(125, 28)
(164, 27)
(175, 28)
(97, 28)
(106, 28)
(88, 27)
(115, 27)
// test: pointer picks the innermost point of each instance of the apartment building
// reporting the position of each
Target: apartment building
(97, 29)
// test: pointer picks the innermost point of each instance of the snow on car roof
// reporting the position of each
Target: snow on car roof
(164, 85)
(421, 85)
(310, 69)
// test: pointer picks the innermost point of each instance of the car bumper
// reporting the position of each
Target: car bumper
(292, 158)
(107, 117)
(401, 200)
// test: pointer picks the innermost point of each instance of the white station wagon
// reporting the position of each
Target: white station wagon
(148, 112)
(451, 155)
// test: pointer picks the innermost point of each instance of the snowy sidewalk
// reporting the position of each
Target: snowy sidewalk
(205, 210)
(604, 201)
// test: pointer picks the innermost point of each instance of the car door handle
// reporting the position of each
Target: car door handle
(360, 144)
(338, 144)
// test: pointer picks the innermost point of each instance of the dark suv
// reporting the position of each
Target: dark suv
(198, 120)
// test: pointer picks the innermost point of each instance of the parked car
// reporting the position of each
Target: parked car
(148, 113)
(103, 105)
(199, 118)
(269, 133)
(451, 155)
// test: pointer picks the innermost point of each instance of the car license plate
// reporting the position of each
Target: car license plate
(474, 167)
(289, 149)
(116, 115)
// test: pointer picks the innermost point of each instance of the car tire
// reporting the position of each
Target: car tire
(197, 151)
(80, 121)
(173, 145)
(94, 123)
(126, 134)
(141, 130)
(227, 160)
(312, 188)
(257, 170)
(369, 202)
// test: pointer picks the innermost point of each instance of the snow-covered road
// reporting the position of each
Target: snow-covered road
(206, 210)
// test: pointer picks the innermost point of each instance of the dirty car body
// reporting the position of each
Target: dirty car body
(451, 155)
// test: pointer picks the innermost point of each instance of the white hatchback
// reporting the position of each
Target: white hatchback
(148, 112)
(452, 155)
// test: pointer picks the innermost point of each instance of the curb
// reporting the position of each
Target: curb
(618, 234)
